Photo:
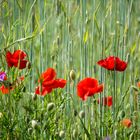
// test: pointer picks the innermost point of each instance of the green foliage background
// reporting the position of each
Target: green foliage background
(66, 35)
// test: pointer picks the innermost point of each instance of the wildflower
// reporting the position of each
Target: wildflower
(21, 78)
(50, 106)
(48, 82)
(72, 75)
(107, 101)
(126, 122)
(3, 76)
(88, 87)
(17, 59)
(81, 114)
(113, 63)
(4, 90)
(138, 84)
(61, 134)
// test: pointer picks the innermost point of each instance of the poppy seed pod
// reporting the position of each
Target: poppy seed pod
(72, 75)
(50, 106)
(34, 124)
(81, 114)
(61, 134)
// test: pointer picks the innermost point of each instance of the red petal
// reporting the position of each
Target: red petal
(120, 65)
(48, 75)
(110, 63)
(19, 54)
(44, 90)
(20, 64)
(8, 59)
(59, 83)
(82, 93)
(107, 101)
(4, 90)
(88, 87)
(95, 90)
(89, 82)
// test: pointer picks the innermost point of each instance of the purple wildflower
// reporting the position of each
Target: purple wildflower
(2, 76)
(107, 138)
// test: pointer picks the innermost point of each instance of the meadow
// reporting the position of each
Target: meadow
(69, 70)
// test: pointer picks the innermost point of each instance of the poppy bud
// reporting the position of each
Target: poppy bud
(126, 122)
(1, 115)
(72, 75)
(29, 65)
(56, 134)
(75, 113)
(61, 134)
(127, 57)
(74, 133)
(122, 114)
(34, 124)
(82, 114)
(29, 130)
(127, 106)
(135, 88)
(115, 134)
(34, 97)
(50, 106)
(131, 137)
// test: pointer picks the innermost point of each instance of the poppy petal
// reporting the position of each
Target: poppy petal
(19, 54)
(8, 59)
(88, 87)
(113, 63)
(48, 75)
(4, 90)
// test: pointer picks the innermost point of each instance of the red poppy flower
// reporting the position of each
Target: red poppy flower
(138, 84)
(107, 101)
(113, 63)
(48, 82)
(88, 87)
(126, 122)
(17, 59)
(4, 90)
